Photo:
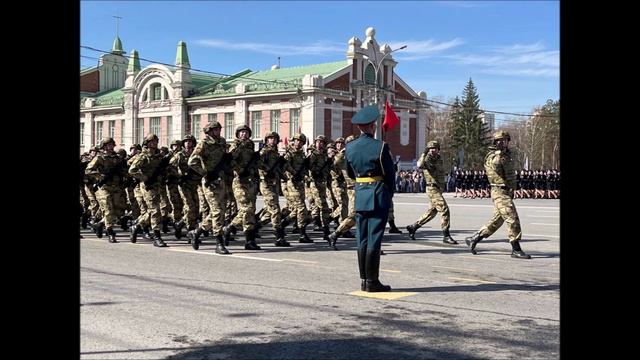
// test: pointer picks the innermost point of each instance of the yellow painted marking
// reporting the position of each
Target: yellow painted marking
(391, 271)
(473, 280)
(301, 261)
(229, 256)
(389, 295)
(453, 268)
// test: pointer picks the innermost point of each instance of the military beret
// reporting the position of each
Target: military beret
(366, 115)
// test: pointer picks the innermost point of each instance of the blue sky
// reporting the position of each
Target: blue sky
(510, 49)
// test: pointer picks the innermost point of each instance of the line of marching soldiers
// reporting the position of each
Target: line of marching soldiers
(209, 187)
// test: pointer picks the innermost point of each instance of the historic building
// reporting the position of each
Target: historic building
(124, 101)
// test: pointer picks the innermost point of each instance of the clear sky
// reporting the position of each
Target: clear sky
(510, 49)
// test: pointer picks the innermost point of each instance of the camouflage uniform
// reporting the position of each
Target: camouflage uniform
(350, 220)
(208, 160)
(107, 170)
(319, 169)
(131, 184)
(338, 184)
(499, 168)
(147, 169)
(173, 192)
(433, 169)
(269, 172)
(296, 169)
(94, 206)
(188, 181)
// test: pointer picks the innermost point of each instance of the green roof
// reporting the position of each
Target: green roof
(294, 73)
(109, 97)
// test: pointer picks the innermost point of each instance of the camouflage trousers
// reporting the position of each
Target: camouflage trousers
(341, 210)
(245, 194)
(319, 193)
(215, 194)
(133, 203)
(297, 205)
(191, 204)
(137, 192)
(332, 198)
(165, 204)
(437, 204)
(176, 202)
(350, 220)
(269, 190)
(152, 214)
(84, 201)
(286, 210)
(112, 203)
(204, 205)
(232, 207)
(94, 206)
(504, 210)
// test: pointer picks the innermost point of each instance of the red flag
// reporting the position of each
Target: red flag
(390, 117)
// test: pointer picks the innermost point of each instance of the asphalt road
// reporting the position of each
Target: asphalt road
(142, 302)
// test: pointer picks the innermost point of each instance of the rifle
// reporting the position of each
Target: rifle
(276, 168)
(318, 173)
(154, 177)
(109, 175)
(255, 156)
(298, 176)
(214, 174)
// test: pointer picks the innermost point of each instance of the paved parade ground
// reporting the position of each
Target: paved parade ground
(303, 302)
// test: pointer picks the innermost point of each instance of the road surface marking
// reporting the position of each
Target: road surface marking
(301, 261)
(389, 295)
(391, 271)
(447, 267)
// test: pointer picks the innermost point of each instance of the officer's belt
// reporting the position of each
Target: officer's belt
(369, 179)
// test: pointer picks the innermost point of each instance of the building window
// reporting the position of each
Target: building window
(275, 120)
(155, 92)
(195, 126)
(211, 118)
(228, 125)
(81, 134)
(370, 75)
(140, 131)
(336, 123)
(155, 126)
(294, 122)
(112, 129)
(98, 132)
(256, 118)
(170, 135)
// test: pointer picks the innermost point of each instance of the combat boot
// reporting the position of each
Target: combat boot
(135, 230)
(228, 230)
(112, 235)
(362, 261)
(447, 239)
(412, 231)
(195, 237)
(325, 232)
(393, 229)
(372, 268)
(250, 240)
(333, 239)
(517, 251)
(317, 223)
(348, 235)
(280, 240)
(157, 241)
(147, 233)
(472, 241)
(165, 225)
(284, 223)
(178, 229)
(99, 228)
(124, 222)
(220, 249)
(304, 238)
(295, 229)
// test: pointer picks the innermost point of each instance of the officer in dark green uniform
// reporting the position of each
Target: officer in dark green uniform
(369, 163)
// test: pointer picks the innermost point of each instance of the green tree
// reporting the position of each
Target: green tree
(469, 135)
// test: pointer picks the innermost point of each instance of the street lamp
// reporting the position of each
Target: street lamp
(376, 68)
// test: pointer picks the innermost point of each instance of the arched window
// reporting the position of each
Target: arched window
(155, 91)
(370, 75)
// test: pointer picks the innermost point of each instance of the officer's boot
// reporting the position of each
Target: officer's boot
(304, 238)
(333, 239)
(178, 229)
(195, 237)
(220, 249)
(157, 241)
(362, 261)
(472, 241)
(165, 225)
(325, 232)
(280, 240)
(517, 251)
(317, 223)
(373, 267)
(447, 239)
(250, 240)
(112, 235)
(99, 228)
(228, 230)
(412, 230)
(393, 229)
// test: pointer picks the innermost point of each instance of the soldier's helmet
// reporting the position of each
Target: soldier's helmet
(135, 146)
(349, 139)
(122, 152)
(164, 149)
(301, 137)
(272, 134)
(331, 146)
(106, 141)
(433, 145)
(189, 138)
(211, 125)
(150, 137)
(501, 134)
(243, 127)
(340, 140)
(176, 142)
(321, 138)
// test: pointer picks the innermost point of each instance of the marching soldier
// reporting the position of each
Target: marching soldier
(319, 169)
(173, 192)
(498, 166)
(269, 178)
(296, 169)
(433, 167)
(369, 162)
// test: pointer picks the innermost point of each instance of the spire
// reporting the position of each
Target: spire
(117, 44)
(134, 62)
(182, 58)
